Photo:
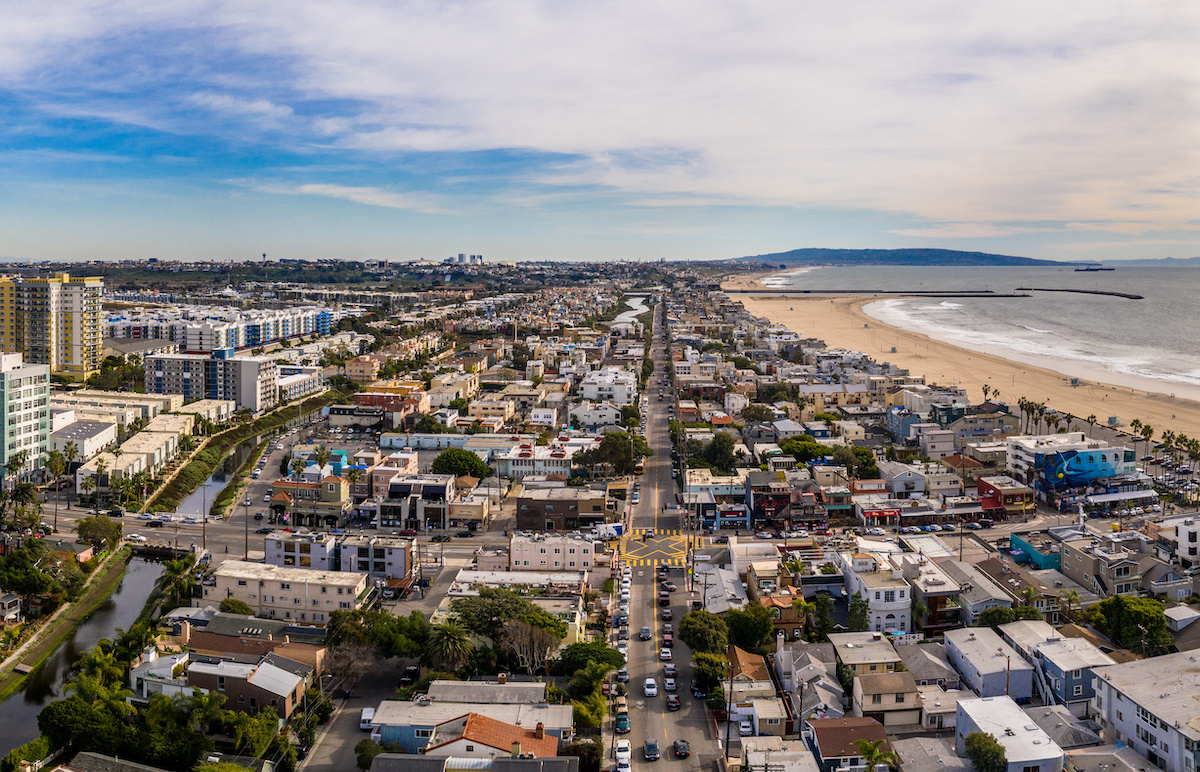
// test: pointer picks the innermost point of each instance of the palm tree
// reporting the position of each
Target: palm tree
(70, 453)
(1069, 599)
(1029, 596)
(804, 610)
(1147, 434)
(872, 755)
(101, 469)
(88, 485)
(987, 389)
(16, 463)
(449, 646)
(177, 575)
(27, 503)
(1091, 422)
(298, 466)
(187, 444)
(57, 464)
(353, 476)
(322, 455)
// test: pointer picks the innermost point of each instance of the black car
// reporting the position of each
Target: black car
(623, 635)
(682, 751)
(441, 538)
(650, 750)
(411, 674)
(263, 530)
(155, 524)
(667, 614)
(673, 702)
(464, 534)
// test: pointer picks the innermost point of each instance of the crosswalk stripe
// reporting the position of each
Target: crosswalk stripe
(658, 531)
(648, 562)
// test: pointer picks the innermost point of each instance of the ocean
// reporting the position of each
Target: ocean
(1151, 344)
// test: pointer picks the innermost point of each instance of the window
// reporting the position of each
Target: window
(876, 699)
(1078, 690)
(242, 699)
(220, 683)
(241, 582)
(470, 748)
(899, 698)
(296, 601)
(285, 585)
(889, 596)
(1032, 768)
(424, 733)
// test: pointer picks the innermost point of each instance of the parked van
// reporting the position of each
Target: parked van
(622, 706)
(365, 718)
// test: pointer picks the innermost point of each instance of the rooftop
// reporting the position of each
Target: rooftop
(863, 648)
(241, 569)
(836, 736)
(1000, 717)
(1166, 686)
(82, 430)
(985, 650)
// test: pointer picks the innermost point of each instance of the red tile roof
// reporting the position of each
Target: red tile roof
(836, 736)
(501, 735)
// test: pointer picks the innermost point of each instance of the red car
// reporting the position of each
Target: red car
(408, 532)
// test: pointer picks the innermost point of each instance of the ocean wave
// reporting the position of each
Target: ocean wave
(948, 304)
(1033, 329)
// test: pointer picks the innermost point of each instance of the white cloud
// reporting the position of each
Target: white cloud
(964, 115)
(370, 196)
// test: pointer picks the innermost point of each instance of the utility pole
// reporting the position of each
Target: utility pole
(246, 524)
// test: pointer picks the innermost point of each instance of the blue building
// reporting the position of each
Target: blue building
(899, 420)
(410, 724)
(1037, 549)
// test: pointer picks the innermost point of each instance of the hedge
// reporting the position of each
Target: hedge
(34, 750)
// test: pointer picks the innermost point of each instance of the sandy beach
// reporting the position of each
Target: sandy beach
(842, 323)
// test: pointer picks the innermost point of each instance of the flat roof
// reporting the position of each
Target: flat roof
(1002, 718)
(241, 569)
(985, 650)
(1163, 685)
(82, 430)
(863, 648)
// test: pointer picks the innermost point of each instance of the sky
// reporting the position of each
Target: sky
(597, 131)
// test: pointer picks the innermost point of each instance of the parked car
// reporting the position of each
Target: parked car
(669, 670)
(971, 526)
(669, 586)
(745, 728)
(666, 614)
(155, 524)
(411, 674)
(623, 675)
(624, 751)
(441, 538)
(876, 532)
(764, 535)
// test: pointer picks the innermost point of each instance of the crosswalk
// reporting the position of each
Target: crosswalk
(658, 531)
(650, 562)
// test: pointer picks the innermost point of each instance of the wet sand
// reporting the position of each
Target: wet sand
(842, 323)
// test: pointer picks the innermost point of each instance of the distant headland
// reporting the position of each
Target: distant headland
(908, 257)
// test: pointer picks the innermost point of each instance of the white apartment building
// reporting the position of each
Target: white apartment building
(301, 550)
(24, 410)
(204, 329)
(89, 437)
(612, 384)
(1150, 706)
(551, 552)
(530, 459)
(380, 557)
(276, 592)
(888, 595)
(251, 382)
(1027, 748)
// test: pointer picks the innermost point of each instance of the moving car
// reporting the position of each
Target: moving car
(667, 613)
(682, 751)
(263, 530)
(155, 524)
(464, 534)
(645, 633)
(673, 702)
(669, 670)
(258, 515)
(441, 538)
(650, 688)
(668, 684)
(650, 750)
(664, 655)
(669, 586)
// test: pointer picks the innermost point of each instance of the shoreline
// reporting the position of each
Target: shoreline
(842, 322)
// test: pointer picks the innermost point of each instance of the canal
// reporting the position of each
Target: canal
(18, 713)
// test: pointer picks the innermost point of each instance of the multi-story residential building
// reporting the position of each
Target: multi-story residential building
(865, 653)
(202, 330)
(278, 592)
(562, 509)
(933, 590)
(989, 666)
(883, 586)
(302, 550)
(380, 557)
(1016, 582)
(24, 411)
(1150, 706)
(251, 382)
(1066, 664)
(248, 687)
(53, 321)
(1027, 748)
(891, 699)
(610, 384)
(363, 369)
(296, 381)
(530, 459)
(551, 552)
(977, 591)
(1107, 566)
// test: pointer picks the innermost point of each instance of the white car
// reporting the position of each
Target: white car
(623, 649)
(624, 751)
(800, 534)
(876, 532)
(650, 688)
(135, 537)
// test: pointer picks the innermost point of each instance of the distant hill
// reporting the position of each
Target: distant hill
(913, 257)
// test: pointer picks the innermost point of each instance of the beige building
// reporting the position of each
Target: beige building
(362, 369)
(551, 552)
(502, 408)
(55, 321)
(218, 411)
(298, 594)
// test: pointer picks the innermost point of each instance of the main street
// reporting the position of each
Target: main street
(650, 718)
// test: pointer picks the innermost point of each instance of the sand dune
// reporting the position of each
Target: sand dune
(841, 323)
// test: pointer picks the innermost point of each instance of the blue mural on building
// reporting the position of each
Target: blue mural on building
(1072, 468)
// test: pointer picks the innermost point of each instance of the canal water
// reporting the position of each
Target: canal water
(200, 499)
(18, 713)
(638, 304)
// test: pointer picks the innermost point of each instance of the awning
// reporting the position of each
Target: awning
(1105, 498)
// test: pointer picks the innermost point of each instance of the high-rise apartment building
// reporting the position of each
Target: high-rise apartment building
(53, 321)
(24, 410)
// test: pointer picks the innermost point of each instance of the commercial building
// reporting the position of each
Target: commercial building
(561, 509)
(89, 437)
(251, 382)
(53, 321)
(318, 504)
(297, 594)
(380, 557)
(610, 384)
(24, 411)
(1027, 747)
(1069, 460)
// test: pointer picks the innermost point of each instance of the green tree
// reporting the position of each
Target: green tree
(486, 613)
(590, 751)
(709, 669)
(449, 645)
(1131, 623)
(253, 734)
(822, 617)
(994, 617)
(871, 753)
(860, 613)
(749, 627)
(719, 452)
(365, 752)
(985, 753)
(236, 606)
(757, 413)
(586, 680)
(576, 656)
(101, 531)
(459, 463)
(703, 631)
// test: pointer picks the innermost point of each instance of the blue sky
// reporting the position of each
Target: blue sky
(607, 130)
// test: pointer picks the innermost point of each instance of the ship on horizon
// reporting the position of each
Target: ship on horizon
(1092, 269)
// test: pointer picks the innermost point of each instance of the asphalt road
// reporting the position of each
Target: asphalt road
(649, 717)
